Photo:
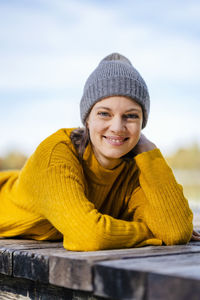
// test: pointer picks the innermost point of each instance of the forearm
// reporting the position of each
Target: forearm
(106, 233)
(167, 212)
(65, 205)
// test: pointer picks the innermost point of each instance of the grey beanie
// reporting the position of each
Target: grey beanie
(115, 76)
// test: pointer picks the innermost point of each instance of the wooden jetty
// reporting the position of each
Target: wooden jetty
(45, 270)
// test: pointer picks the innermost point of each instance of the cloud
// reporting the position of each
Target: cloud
(48, 49)
(44, 50)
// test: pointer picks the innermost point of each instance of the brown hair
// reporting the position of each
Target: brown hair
(80, 138)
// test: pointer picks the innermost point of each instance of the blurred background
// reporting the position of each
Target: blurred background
(48, 48)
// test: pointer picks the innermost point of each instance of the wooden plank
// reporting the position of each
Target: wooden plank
(17, 288)
(9, 246)
(171, 287)
(23, 242)
(33, 263)
(159, 277)
(74, 269)
(5, 262)
(196, 243)
(41, 262)
(119, 283)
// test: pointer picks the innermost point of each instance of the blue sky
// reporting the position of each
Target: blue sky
(48, 48)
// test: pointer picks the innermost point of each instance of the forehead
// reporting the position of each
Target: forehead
(118, 102)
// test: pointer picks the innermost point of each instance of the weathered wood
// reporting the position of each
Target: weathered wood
(196, 243)
(71, 269)
(138, 278)
(45, 262)
(172, 287)
(5, 262)
(120, 284)
(24, 244)
(16, 288)
(74, 269)
(9, 246)
(33, 263)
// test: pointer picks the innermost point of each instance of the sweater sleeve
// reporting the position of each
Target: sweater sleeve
(159, 201)
(65, 205)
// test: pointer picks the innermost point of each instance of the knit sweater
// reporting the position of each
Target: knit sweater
(135, 204)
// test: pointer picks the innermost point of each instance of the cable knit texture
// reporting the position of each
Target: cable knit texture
(138, 203)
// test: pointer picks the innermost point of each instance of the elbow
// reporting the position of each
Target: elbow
(180, 237)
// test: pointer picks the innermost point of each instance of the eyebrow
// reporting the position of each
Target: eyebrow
(131, 109)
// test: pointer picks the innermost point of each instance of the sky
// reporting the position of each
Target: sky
(48, 48)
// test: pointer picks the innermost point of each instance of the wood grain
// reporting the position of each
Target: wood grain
(178, 274)
(75, 269)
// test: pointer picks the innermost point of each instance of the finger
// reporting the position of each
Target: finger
(196, 233)
(195, 238)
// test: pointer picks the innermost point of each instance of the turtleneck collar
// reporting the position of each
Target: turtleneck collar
(96, 172)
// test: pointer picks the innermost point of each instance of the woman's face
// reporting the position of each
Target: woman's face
(114, 125)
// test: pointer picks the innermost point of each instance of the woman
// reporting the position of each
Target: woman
(102, 187)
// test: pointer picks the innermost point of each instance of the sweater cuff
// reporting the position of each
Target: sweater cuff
(154, 166)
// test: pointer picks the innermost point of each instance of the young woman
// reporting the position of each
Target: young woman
(101, 187)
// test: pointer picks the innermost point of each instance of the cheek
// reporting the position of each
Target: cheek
(135, 131)
(135, 136)
(96, 126)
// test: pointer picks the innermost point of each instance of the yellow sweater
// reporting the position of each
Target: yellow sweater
(137, 203)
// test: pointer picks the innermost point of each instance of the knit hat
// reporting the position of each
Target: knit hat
(115, 76)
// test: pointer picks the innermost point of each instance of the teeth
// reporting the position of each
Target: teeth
(116, 141)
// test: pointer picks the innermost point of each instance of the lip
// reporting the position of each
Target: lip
(115, 140)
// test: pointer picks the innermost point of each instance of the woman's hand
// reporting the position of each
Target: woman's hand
(195, 236)
(143, 145)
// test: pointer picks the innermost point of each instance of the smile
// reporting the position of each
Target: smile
(116, 141)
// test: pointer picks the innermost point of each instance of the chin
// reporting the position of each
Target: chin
(115, 155)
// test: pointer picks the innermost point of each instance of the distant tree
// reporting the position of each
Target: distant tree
(1, 163)
(13, 160)
(185, 158)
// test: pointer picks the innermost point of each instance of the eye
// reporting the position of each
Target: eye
(131, 116)
(103, 114)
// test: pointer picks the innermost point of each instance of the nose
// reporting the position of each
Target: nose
(117, 125)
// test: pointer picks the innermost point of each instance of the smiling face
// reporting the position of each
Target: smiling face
(114, 125)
